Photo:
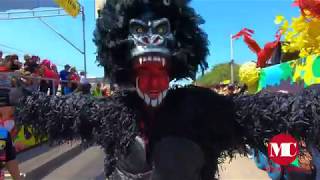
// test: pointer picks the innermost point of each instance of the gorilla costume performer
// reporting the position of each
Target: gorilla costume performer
(150, 131)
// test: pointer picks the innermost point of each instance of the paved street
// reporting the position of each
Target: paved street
(86, 166)
(241, 168)
(89, 166)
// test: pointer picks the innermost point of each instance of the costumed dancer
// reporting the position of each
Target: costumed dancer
(151, 131)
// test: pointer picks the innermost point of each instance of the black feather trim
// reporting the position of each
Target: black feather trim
(265, 115)
(108, 122)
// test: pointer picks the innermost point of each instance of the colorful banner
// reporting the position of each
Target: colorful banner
(22, 137)
(291, 76)
(72, 7)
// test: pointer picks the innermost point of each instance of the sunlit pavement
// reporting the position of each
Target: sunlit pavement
(89, 166)
(241, 168)
(86, 166)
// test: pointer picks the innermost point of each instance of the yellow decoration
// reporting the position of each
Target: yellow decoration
(226, 82)
(72, 7)
(305, 69)
(2, 144)
(303, 34)
(279, 19)
(249, 74)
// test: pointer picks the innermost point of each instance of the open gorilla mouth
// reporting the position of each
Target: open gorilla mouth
(152, 78)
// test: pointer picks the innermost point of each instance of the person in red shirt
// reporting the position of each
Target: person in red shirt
(46, 72)
(74, 78)
(55, 75)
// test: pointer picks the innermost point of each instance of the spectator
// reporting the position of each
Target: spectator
(55, 75)
(97, 92)
(44, 84)
(5, 65)
(15, 64)
(30, 64)
(85, 86)
(5, 84)
(1, 54)
(74, 78)
(8, 155)
(83, 79)
(106, 90)
(64, 74)
(47, 72)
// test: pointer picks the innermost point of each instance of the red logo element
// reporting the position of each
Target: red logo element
(283, 149)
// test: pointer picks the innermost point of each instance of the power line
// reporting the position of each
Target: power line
(12, 48)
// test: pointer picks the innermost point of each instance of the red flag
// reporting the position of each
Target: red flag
(263, 55)
(244, 31)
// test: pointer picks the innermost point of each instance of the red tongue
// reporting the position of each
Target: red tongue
(153, 79)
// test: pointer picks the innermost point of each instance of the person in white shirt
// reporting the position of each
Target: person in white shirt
(85, 86)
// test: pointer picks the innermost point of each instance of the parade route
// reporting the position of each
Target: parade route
(89, 166)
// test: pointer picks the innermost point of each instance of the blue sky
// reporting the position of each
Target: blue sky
(223, 17)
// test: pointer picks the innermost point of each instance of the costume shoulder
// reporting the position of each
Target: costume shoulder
(264, 115)
(211, 115)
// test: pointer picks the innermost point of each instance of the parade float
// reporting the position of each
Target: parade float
(296, 64)
(293, 65)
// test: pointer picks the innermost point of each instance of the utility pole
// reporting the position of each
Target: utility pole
(84, 41)
(231, 59)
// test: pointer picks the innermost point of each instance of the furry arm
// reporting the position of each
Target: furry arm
(265, 115)
(107, 122)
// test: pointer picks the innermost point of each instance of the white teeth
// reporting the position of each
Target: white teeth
(164, 93)
(163, 61)
(160, 97)
(138, 90)
(154, 103)
(152, 58)
(147, 99)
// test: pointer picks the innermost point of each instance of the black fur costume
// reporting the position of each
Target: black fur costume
(219, 125)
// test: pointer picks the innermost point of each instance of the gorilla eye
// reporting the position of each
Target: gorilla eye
(161, 30)
(139, 30)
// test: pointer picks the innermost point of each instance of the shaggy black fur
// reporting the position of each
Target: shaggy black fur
(112, 122)
(109, 122)
(112, 32)
(267, 114)
(220, 125)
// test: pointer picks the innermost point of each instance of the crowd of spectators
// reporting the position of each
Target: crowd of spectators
(228, 89)
(43, 75)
